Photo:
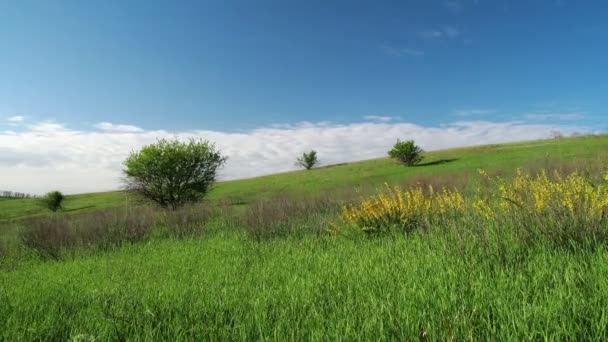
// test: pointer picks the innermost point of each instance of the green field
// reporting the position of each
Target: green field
(372, 173)
(278, 263)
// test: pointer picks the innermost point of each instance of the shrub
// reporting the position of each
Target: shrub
(308, 160)
(51, 236)
(172, 173)
(403, 210)
(53, 200)
(564, 210)
(406, 152)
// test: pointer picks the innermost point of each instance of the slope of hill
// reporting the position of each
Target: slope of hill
(364, 173)
(536, 270)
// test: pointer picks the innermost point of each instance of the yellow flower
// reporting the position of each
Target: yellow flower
(544, 194)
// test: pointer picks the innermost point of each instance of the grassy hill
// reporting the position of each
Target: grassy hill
(371, 173)
(521, 259)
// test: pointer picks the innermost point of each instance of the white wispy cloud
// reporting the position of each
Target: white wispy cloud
(401, 52)
(16, 118)
(472, 112)
(451, 32)
(48, 156)
(446, 32)
(429, 34)
(380, 118)
(110, 127)
(555, 116)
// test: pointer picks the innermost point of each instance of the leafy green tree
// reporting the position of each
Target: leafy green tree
(406, 152)
(308, 160)
(53, 200)
(172, 173)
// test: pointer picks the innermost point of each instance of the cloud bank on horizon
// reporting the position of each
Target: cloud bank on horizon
(46, 156)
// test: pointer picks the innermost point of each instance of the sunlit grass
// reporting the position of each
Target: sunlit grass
(454, 255)
(229, 287)
(371, 173)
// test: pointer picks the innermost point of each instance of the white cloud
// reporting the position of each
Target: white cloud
(50, 156)
(451, 32)
(555, 116)
(444, 32)
(429, 34)
(16, 118)
(48, 127)
(380, 118)
(110, 127)
(472, 112)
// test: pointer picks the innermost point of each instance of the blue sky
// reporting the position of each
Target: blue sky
(234, 65)
(94, 69)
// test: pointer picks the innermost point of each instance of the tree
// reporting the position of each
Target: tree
(406, 152)
(308, 160)
(172, 173)
(53, 200)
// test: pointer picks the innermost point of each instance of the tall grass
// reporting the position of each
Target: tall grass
(52, 236)
(392, 287)
(300, 214)
(497, 257)
(561, 209)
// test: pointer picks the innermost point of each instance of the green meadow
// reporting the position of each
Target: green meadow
(372, 173)
(270, 258)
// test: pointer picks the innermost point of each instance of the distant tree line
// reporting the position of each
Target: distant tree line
(12, 194)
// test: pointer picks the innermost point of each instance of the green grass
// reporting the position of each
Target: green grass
(504, 157)
(226, 287)
(25, 208)
(464, 279)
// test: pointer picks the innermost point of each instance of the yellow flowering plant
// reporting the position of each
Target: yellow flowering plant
(550, 198)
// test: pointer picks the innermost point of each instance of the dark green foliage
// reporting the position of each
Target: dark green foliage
(53, 200)
(172, 173)
(406, 152)
(308, 160)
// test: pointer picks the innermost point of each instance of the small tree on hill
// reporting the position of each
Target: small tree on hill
(406, 152)
(53, 200)
(308, 160)
(172, 173)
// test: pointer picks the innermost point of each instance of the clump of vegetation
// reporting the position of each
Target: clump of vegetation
(289, 214)
(172, 173)
(406, 152)
(308, 160)
(52, 236)
(53, 200)
(559, 209)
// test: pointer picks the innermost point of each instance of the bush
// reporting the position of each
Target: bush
(172, 173)
(53, 200)
(104, 229)
(52, 236)
(406, 152)
(560, 210)
(308, 160)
